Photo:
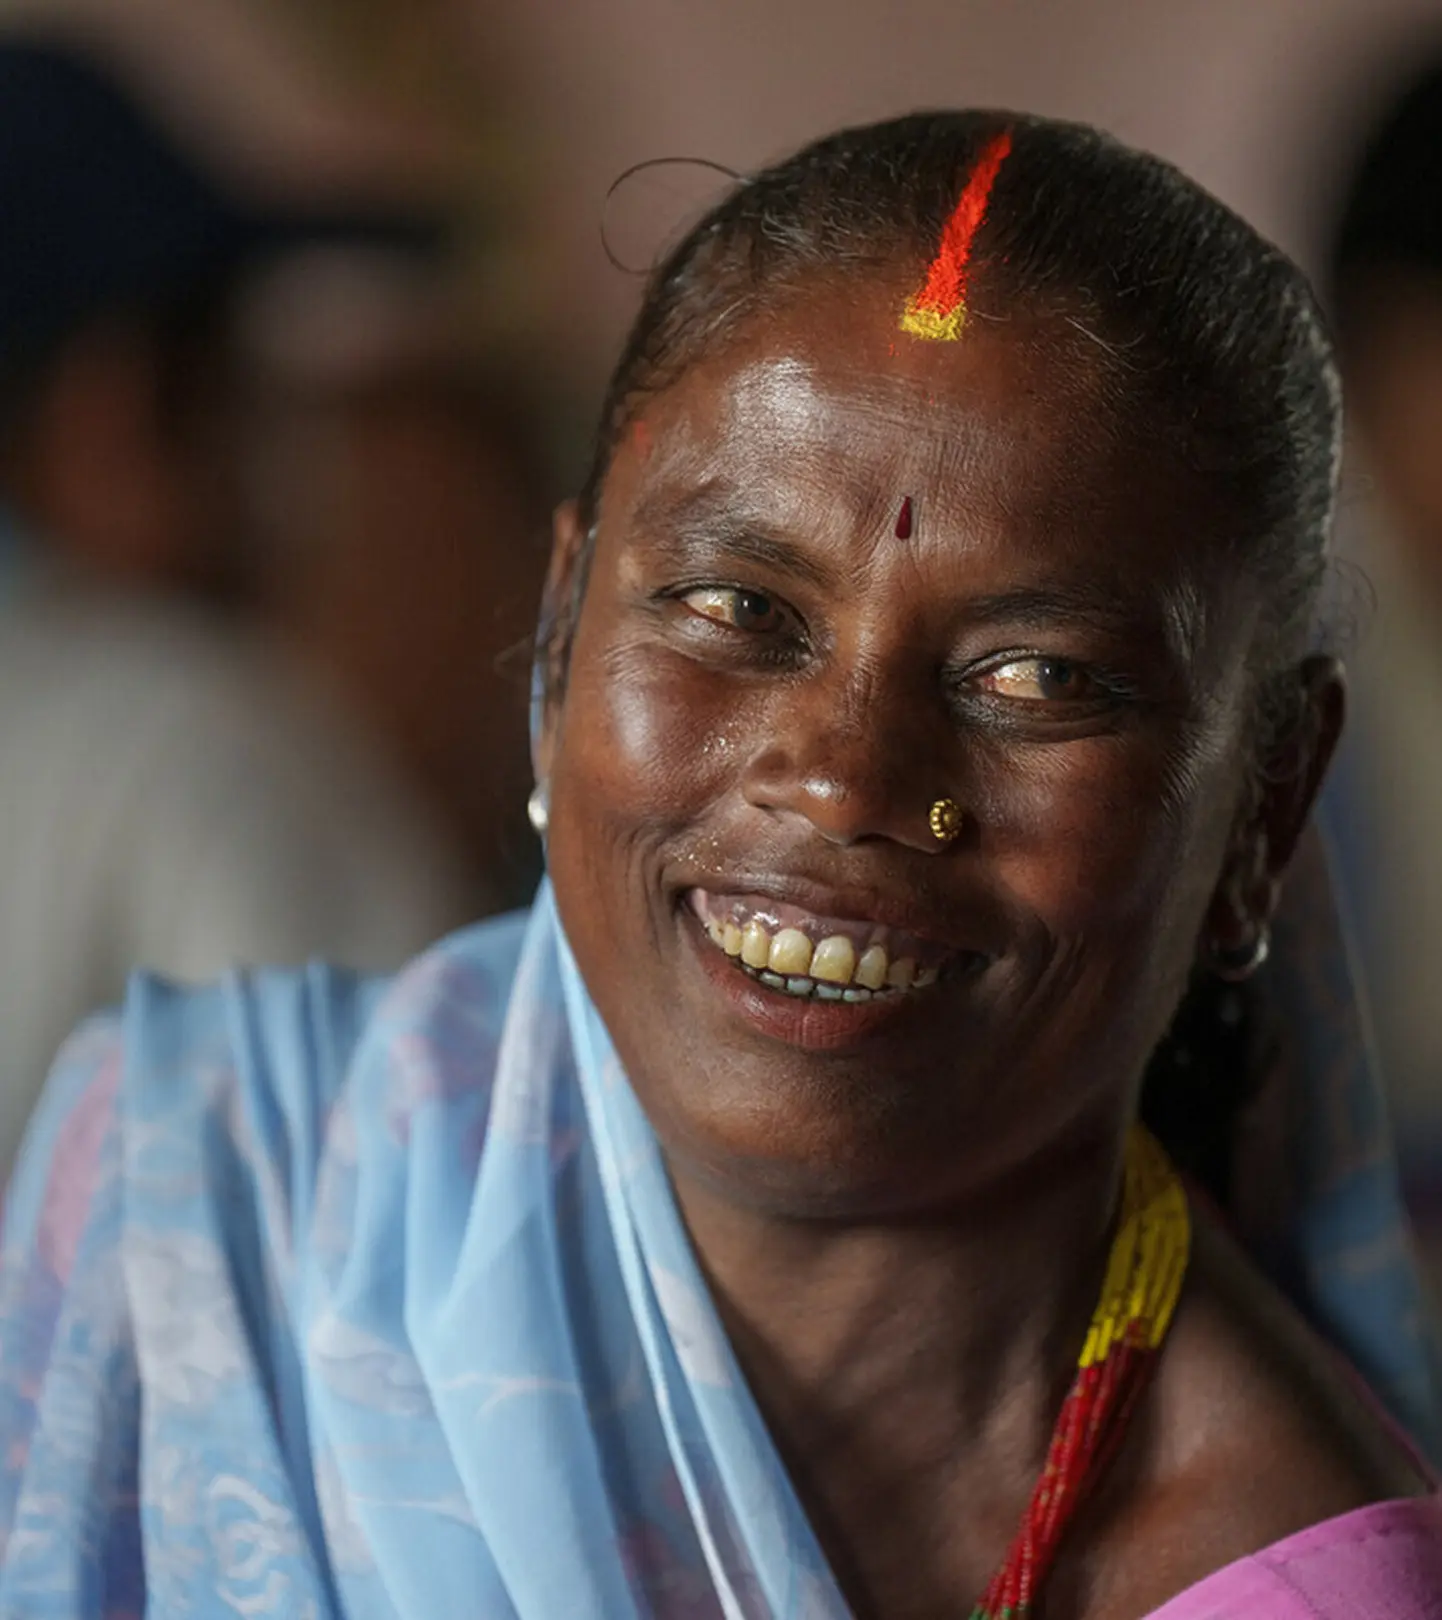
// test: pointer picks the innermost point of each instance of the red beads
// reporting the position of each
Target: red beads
(1145, 1270)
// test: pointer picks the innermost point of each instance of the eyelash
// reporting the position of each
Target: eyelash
(791, 633)
(1106, 689)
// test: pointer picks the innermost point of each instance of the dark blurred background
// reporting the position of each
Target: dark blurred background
(304, 313)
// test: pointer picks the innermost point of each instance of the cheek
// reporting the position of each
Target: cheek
(645, 737)
(1102, 839)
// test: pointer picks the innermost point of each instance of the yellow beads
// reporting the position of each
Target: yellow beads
(1148, 1260)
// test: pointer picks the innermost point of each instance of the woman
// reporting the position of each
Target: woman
(760, 1227)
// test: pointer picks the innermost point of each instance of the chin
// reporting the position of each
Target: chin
(812, 1135)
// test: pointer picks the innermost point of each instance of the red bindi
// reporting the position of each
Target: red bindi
(903, 520)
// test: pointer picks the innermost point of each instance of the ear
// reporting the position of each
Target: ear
(560, 608)
(1266, 837)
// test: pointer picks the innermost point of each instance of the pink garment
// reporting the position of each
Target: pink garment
(1382, 1562)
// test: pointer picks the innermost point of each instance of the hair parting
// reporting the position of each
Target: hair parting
(937, 311)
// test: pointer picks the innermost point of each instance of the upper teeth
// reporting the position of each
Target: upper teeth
(790, 956)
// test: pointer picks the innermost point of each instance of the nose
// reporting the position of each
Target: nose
(858, 758)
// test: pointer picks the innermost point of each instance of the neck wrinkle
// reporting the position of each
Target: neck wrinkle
(955, 1334)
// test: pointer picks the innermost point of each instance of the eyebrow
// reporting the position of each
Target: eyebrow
(1043, 606)
(1046, 607)
(707, 521)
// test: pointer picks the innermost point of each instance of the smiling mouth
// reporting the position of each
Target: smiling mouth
(816, 958)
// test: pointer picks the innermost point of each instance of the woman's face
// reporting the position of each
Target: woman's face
(772, 681)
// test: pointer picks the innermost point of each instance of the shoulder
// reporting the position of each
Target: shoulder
(1253, 1433)
(210, 797)
(1382, 1560)
(189, 1159)
(73, 651)
(276, 1047)
(1259, 1396)
(220, 714)
(239, 1078)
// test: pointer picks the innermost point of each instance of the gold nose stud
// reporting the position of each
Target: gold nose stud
(945, 819)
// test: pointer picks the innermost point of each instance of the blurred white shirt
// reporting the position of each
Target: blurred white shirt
(169, 801)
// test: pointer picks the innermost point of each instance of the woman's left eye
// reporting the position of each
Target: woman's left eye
(1038, 680)
(740, 609)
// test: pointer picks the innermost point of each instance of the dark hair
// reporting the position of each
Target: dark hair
(1207, 334)
(1201, 322)
(1390, 214)
(186, 336)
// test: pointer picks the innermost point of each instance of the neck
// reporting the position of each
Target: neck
(917, 1358)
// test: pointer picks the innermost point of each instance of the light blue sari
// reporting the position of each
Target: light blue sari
(325, 1298)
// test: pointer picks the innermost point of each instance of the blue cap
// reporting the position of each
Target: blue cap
(100, 208)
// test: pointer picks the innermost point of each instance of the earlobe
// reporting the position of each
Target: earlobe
(1236, 933)
(1235, 940)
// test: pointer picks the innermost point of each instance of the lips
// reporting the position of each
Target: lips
(812, 956)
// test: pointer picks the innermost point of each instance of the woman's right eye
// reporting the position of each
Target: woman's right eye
(737, 609)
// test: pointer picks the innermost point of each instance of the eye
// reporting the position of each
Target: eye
(752, 611)
(1038, 680)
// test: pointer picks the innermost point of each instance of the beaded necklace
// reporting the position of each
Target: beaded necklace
(1144, 1276)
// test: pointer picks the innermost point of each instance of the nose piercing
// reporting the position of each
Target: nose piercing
(945, 819)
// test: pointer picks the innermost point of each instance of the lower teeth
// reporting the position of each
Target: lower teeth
(808, 989)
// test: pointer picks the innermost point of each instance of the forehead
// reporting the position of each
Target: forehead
(827, 411)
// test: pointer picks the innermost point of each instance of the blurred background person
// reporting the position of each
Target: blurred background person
(399, 498)
(171, 793)
(1384, 272)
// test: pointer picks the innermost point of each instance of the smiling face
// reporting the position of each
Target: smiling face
(769, 688)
